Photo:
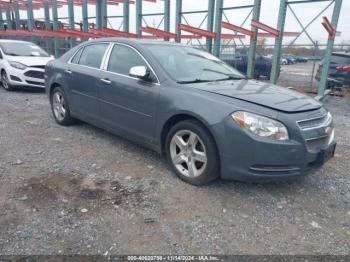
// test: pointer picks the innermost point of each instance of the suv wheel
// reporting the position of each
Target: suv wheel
(60, 107)
(192, 153)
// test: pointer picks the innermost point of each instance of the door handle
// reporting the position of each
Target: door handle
(106, 81)
(68, 71)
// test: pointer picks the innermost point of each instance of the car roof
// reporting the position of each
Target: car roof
(135, 41)
(14, 41)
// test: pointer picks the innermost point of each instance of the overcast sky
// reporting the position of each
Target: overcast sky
(269, 15)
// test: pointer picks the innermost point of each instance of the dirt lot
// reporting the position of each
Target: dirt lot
(80, 190)
(298, 75)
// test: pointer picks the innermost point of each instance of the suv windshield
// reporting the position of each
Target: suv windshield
(190, 65)
(22, 49)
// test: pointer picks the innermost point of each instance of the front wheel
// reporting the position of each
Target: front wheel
(60, 107)
(192, 153)
(5, 81)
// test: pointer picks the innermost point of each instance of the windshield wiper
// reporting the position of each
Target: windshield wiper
(197, 80)
(229, 76)
(12, 54)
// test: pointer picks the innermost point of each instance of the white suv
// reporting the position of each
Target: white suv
(22, 64)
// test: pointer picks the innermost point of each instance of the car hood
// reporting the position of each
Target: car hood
(30, 60)
(261, 93)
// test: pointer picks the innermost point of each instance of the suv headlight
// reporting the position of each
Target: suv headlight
(261, 126)
(17, 65)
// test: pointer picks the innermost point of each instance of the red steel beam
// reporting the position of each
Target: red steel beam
(112, 33)
(51, 33)
(196, 31)
(15, 33)
(328, 26)
(237, 28)
(265, 28)
(76, 33)
(285, 34)
(158, 32)
(231, 36)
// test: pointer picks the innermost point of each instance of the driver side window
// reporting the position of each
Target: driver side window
(123, 58)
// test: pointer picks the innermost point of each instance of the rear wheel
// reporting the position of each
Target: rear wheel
(192, 153)
(5, 81)
(60, 107)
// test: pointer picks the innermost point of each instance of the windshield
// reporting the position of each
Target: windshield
(22, 49)
(187, 65)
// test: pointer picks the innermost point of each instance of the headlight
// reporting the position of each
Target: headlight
(17, 65)
(261, 126)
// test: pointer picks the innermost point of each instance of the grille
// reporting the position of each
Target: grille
(315, 122)
(34, 83)
(35, 74)
(39, 66)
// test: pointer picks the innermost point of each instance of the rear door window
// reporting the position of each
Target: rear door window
(92, 55)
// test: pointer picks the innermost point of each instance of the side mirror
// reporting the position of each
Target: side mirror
(139, 71)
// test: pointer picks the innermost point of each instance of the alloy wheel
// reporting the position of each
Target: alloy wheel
(59, 106)
(188, 153)
(4, 81)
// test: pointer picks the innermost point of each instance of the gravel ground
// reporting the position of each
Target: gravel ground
(80, 190)
(298, 75)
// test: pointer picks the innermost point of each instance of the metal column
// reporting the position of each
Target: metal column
(138, 17)
(253, 40)
(218, 19)
(98, 14)
(55, 27)
(328, 54)
(126, 15)
(84, 10)
(278, 42)
(71, 20)
(178, 19)
(167, 17)
(30, 15)
(210, 23)
(47, 15)
(48, 26)
(8, 17)
(1, 19)
(104, 13)
(17, 17)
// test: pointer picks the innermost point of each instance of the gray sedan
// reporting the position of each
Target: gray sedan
(203, 115)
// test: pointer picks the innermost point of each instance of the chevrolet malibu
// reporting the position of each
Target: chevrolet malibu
(203, 115)
(22, 64)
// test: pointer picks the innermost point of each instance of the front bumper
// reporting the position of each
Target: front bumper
(249, 158)
(30, 77)
(274, 170)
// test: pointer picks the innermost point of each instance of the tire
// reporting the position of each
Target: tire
(192, 153)
(60, 107)
(5, 82)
